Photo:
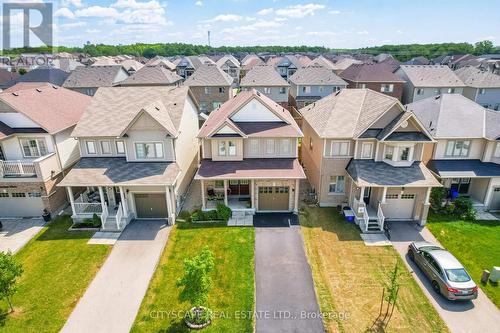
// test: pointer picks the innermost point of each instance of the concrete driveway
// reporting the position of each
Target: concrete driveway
(480, 315)
(112, 300)
(284, 285)
(17, 232)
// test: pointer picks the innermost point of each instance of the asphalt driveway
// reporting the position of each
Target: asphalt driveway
(480, 315)
(285, 297)
(112, 300)
(17, 232)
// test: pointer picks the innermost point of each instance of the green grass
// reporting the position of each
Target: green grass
(349, 278)
(233, 279)
(475, 244)
(58, 266)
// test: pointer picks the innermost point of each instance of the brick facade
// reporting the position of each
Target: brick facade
(214, 96)
(375, 86)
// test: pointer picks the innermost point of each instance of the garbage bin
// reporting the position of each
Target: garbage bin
(454, 194)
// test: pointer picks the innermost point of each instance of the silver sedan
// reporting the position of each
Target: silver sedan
(447, 275)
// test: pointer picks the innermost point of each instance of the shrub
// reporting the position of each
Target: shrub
(96, 221)
(438, 194)
(185, 215)
(224, 212)
(464, 208)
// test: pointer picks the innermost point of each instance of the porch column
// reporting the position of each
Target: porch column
(124, 202)
(252, 193)
(384, 194)
(361, 194)
(169, 204)
(173, 202)
(101, 197)
(296, 199)
(71, 199)
(225, 192)
(427, 196)
(203, 205)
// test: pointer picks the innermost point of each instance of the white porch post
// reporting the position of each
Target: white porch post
(101, 197)
(71, 199)
(124, 202)
(252, 193)
(296, 199)
(384, 194)
(203, 205)
(225, 192)
(427, 196)
(169, 203)
(173, 202)
(362, 194)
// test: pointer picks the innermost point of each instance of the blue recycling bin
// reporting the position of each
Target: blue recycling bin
(454, 194)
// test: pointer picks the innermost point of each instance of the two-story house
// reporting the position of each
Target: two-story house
(374, 76)
(211, 87)
(482, 87)
(312, 83)
(249, 156)
(87, 80)
(267, 81)
(139, 154)
(229, 64)
(188, 65)
(422, 81)
(466, 156)
(36, 149)
(362, 149)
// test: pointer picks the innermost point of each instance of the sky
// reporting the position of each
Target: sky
(335, 24)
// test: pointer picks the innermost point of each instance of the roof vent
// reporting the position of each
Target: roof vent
(55, 87)
(39, 90)
(15, 94)
(157, 108)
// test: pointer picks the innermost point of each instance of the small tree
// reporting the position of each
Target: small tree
(438, 194)
(10, 270)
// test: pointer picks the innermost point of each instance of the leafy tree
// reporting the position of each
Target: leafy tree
(22, 71)
(149, 53)
(483, 47)
(196, 281)
(10, 270)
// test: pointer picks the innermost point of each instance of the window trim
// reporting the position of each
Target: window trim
(87, 147)
(288, 145)
(102, 147)
(207, 90)
(363, 144)
(454, 148)
(36, 139)
(306, 89)
(387, 87)
(118, 150)
(154, 143)
(273, 146)
(340, 142)
(266, 90)
(496, 151)
(254, 146)
(334, 180)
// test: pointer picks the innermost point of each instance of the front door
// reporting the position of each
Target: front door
(461, 185)
(366, 195)
(239, 187)
(274, 198)
(150, 205)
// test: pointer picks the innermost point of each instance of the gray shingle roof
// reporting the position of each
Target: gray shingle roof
(209, 75)
(464, 168)
(316, 75)
(431, 76)
(151, 75)
(371, 173)
(477, 78)
(370, 73)
(50, 75)
(263, 75)
(91, 77)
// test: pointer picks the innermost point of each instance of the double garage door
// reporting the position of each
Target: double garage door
(274, 198)
(150, 205)
(21, 206)
(399, 206)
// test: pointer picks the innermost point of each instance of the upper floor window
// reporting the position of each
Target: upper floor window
(226, 148)
(398, 153)
(481, 91)
(339, 148)
(203, 106)
(388, 88)
(282, 70)
(321, 88)
(270, 146)
(254, 146)
(366, 150)
(420, 91)
(90, 146)
(267, 90)
(215, 105)
(106, 147)
(337, 184)
(457, 148)
(34, 147)
(208, 90)
(120, 147)
(362, 85)
(306, 89)
(282, 90)
(437, 91)
(285, 146)
(147, 150)
(222, 90)
(451, 90)
(496, 153)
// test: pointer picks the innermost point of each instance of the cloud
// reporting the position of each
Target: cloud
(198, 3)
(321, 33)
(96, 11)
(226, 18)
(64, 12)
(299, 11)
(257, 25)
(72, 25)
(265, 11)
(334, 12)
(133, 4)
(75, 3)
(399, 32)
(363, 32)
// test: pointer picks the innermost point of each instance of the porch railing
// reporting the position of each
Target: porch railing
(88, 208)
(17, 169)
(104, 216)
(362, 216)
(366, 219)
(119, 215)
(380, 217)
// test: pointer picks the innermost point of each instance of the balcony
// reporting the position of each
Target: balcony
(42, 168)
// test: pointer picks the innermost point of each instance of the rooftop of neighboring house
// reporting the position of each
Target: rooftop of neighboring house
(91, 77)
(113, 109)
(195, 62)
(343, 64)
(477, 78)
(104, 62)
(263, 76)
(283, 126)
(348, 113)
(373, 72)
(251, 63)
(431, 76)
(53, 108)
(209, 75)
(299, 60)
(131, 65)
(65, 64)
(161, 61)
(322, 61)
(230, 58)
(248, 58)
(456, 116)
(151, 75)
(316, 75)
(50, 75)
(418, 61)
(382, 57)
(6, 76)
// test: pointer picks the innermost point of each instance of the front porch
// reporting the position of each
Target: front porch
(237, 194)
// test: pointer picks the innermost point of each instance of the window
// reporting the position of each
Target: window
(496, 153)
(208, 90)
(254, 146)
(336, 88)
(362, 85)
(90, 145)
(231, 148)
(408, 196)
(420, 91)
(366, 150)
(482, 91)
(270, 146)
(339, 148)
(19, 195)
(282, 90)
(267, 90)
(306, 89)
(89, 92)
(388, 88)
(219, 184)
(203, 106)
(34, 147)
(34, 194)
(120, 147)
(457, 148)
(222, 90)
(4, 195)
(391, 196)
(105, 147)
(451, 90)
(321, 88)
(389, 152)
(222, 148)
(285, 146)
(216, 105)
(437, 91)
(147, 150)
(404, 153)
(336, 184)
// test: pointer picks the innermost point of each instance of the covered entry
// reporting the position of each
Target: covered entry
(274, 198)
(150, 205)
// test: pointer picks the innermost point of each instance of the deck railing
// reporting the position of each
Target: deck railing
(88, 208)
(18, 168)
(380, 217)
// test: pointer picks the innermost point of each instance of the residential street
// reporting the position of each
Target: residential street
(112, 300)
(284, 285)
(480, 315)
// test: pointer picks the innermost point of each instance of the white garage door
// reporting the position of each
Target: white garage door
(20, 207)
(399, 206)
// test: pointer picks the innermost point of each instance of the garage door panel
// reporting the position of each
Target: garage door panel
(150, 205)
(399, 206)
(495, 199)
(20, 207)
(274, 198)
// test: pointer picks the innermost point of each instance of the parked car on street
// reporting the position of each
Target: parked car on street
(449, 278)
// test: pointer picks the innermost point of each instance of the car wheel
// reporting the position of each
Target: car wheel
(436, 288)
(411, 255)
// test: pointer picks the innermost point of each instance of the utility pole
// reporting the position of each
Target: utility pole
(208, 37)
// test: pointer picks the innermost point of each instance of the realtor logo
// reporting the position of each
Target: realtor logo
(42, 31)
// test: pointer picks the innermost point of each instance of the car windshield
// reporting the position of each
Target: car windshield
(429, 248)
(457, 275)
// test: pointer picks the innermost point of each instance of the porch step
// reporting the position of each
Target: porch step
(238, 213)
(244, 221)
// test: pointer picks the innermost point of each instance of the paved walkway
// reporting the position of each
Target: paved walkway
(17, 232)
(284, 284)
(112, 300)
(480, 315)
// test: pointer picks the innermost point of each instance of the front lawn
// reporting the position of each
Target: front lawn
(349, 278)
(58, 266)
(232, 293)
(475, 244)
